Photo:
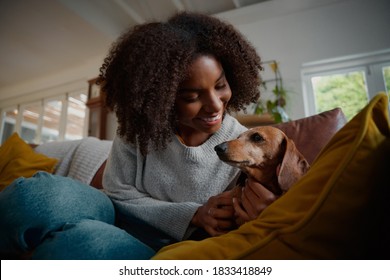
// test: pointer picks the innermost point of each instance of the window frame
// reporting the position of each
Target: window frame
(19, 120)
(370, 63)
(3, 119)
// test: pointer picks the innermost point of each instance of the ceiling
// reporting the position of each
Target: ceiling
(41, 37)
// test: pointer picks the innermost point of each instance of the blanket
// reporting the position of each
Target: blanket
(78, 159)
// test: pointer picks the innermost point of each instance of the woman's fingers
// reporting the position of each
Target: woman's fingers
(255, 198)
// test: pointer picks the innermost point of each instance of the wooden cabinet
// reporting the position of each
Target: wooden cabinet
(97, 111)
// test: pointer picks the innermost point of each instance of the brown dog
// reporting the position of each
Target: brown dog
(266, 154)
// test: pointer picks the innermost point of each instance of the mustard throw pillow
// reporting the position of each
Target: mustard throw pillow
(334, 212)
(18, 159)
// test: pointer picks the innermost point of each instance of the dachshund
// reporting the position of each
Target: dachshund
(267, 155)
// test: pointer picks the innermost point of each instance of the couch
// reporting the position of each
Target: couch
(336, 211)
(91, 153)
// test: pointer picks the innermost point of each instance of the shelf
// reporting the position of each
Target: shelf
(255, 120)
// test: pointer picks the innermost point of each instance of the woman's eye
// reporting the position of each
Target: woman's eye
(190, 98)
(220, 86)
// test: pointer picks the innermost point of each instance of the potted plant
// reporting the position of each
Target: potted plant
(276, 106)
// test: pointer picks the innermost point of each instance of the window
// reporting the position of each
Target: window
(386, 77)
(348, 83)
(347, 90)
(31, 121)
(76, 116)
(59, 118)
(50, 130)
(9, 123)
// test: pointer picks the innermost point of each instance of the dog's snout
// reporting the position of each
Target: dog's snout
(221, 148)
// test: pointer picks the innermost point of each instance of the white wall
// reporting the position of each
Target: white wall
(339, 28)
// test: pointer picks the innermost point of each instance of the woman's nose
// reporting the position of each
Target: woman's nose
(213, 103)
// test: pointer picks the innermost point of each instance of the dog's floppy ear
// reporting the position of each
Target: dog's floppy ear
(293, 166)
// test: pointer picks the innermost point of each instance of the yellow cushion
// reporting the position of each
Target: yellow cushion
(330, 213)
(18, 159)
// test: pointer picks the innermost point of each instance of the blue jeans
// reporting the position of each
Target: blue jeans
(54, 217)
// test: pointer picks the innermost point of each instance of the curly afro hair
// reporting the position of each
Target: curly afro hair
(143, 71)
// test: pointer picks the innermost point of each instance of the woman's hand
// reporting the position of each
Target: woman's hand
(254, 199)
(216, 216)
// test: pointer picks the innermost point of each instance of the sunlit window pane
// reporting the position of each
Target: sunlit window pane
(30, 122)
(75, 116)
(51, 120)
(9, 122)
(347, 91)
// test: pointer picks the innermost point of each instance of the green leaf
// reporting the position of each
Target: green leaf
(277, 117)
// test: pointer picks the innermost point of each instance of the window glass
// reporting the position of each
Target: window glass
(9, 123)
(51, 120)
(76, 114)
(346, 90)
(30, 122)
(347, 82)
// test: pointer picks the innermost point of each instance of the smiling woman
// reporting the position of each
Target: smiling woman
(172, 85)
(182, 76)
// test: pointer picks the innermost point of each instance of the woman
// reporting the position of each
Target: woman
(171, 85)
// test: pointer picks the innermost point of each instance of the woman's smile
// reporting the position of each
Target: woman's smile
(212, 120)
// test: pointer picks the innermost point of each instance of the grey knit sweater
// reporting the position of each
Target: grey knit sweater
(165, 188)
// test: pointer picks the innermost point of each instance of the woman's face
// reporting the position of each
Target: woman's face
(201, 100)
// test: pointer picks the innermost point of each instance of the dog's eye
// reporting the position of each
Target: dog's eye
(257, 137)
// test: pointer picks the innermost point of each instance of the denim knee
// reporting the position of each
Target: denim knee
(91, 240)
(32, 207)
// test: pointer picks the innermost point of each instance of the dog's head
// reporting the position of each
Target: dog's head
(266, 154)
